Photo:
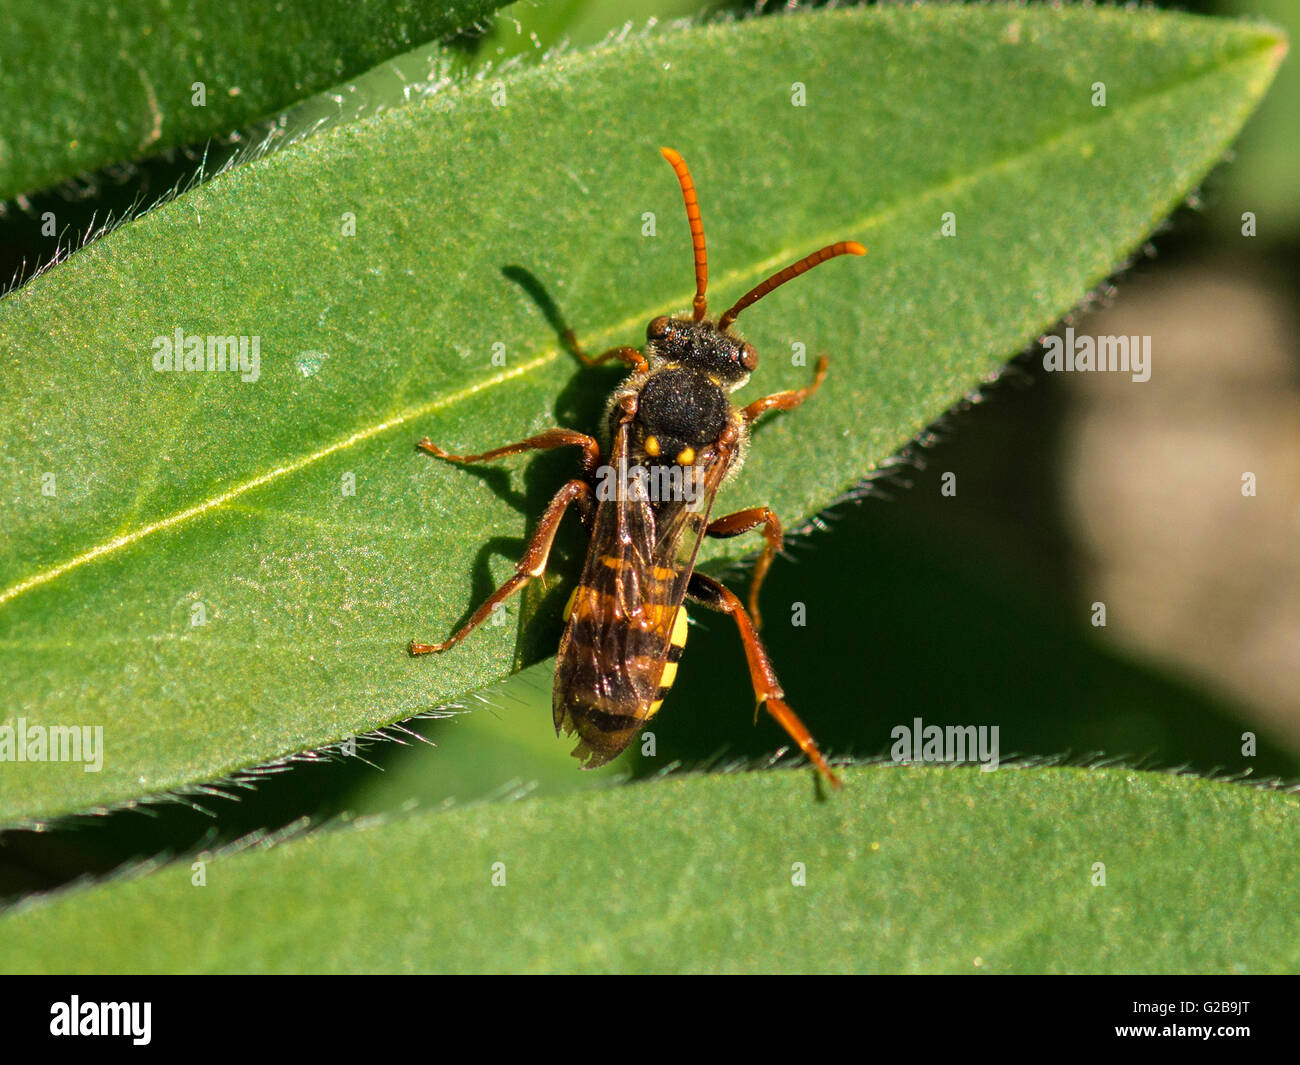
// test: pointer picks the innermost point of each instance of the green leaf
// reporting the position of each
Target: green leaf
(184, 497)
(524, 27)
(83, 88)
(1262, 180)
(715, 858)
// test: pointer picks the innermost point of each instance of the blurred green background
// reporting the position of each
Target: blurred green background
(971, 609)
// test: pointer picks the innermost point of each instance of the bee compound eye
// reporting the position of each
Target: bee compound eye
(749, 357)
(659, 328)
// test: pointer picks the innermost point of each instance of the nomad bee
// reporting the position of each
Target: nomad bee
(674, 437)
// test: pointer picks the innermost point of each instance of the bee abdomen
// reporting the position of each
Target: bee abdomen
(608, 708)
(676, 648)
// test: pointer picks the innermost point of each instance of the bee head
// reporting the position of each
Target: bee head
(702, 347)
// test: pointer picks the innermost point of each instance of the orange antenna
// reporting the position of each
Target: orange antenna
(697, 227)
(844, 247)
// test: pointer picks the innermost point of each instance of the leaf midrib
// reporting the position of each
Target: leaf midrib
(871, 220)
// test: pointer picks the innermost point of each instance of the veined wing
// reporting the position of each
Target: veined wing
(621, 620)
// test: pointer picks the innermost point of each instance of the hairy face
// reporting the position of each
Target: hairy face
(702, 347)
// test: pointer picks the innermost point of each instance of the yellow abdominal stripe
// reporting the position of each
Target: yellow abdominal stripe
(679, 628)
(677, 639)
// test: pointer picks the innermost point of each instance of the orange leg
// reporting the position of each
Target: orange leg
(767, 688)
(541, 442)
(629, 355)
(785, 400)
(741, 522)
(533, 564)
